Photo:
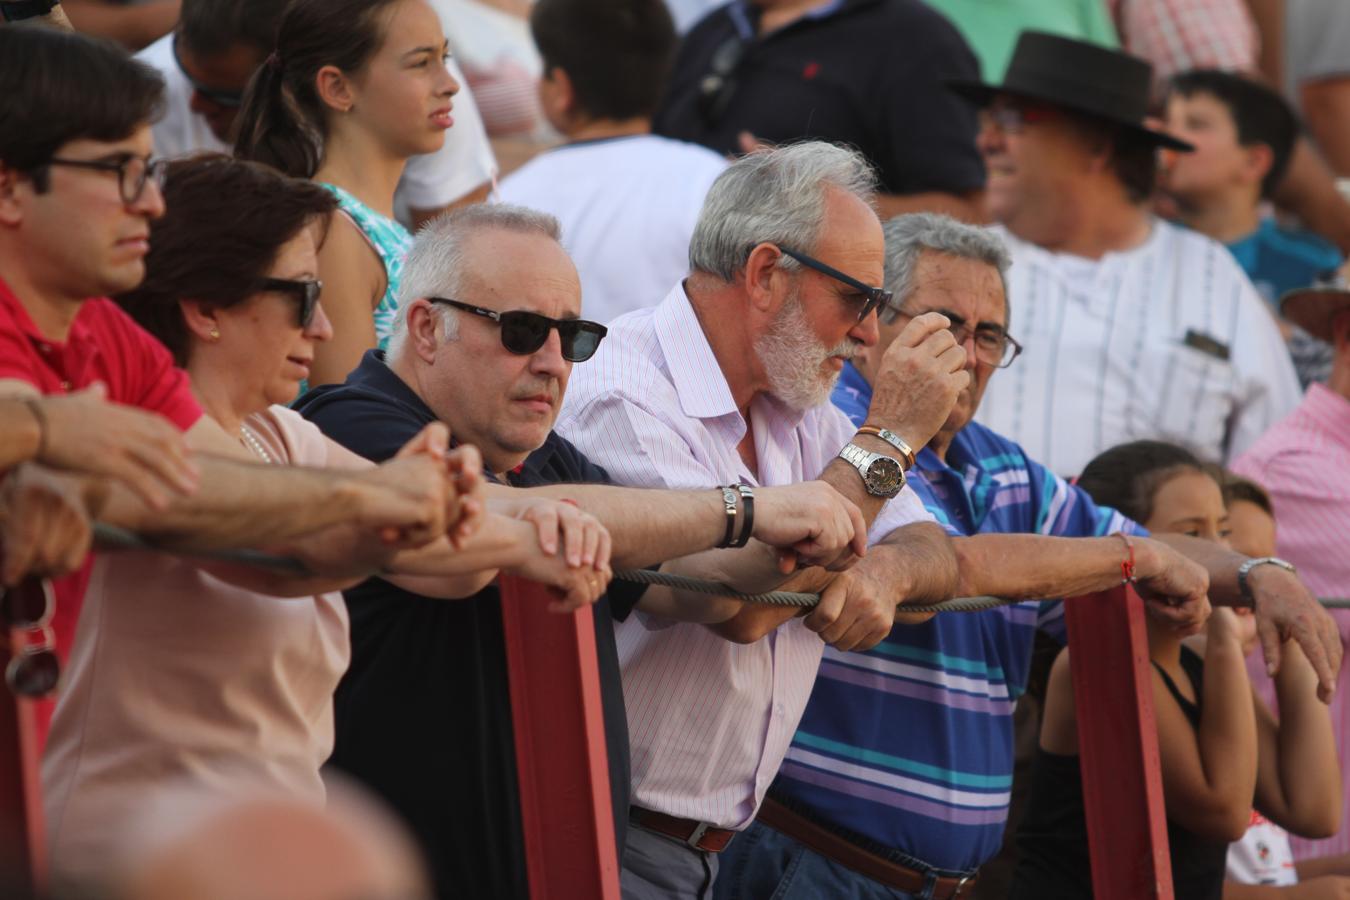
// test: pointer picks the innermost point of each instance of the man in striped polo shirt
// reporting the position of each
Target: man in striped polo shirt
(897, 781)
(1134, 327)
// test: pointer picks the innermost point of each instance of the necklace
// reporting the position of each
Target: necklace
(255, 445)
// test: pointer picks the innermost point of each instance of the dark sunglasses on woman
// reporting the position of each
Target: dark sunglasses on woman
(525, 332)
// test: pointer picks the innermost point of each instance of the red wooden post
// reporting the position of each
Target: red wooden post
(22, 832)
(562, 767)
(1118, 747)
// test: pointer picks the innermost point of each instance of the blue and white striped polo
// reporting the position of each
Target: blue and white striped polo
(910, 744)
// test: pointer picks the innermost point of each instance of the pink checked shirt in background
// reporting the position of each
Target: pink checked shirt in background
(709, 720)
(1304, 462)
(1176, 35)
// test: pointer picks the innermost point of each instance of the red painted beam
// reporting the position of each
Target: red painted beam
(1118, 747)
(562, 766)
(22, 832)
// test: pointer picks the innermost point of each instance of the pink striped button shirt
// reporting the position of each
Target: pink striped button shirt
(1304, 462)
(709, 720)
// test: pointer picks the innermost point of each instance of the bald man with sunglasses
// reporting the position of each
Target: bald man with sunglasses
(488, 334)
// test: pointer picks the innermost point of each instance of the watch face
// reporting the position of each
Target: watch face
(884, 476)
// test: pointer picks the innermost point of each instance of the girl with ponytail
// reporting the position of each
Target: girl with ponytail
(353, 89)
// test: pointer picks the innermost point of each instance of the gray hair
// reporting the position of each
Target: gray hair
(775, 196)
(907, 236)
(436, 263)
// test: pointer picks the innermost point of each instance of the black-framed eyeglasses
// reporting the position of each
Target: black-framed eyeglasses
(227, 99)
(877, 298)
(33, 669)
(133, 172)
(305, 291)
(993, 345)
(524, 332)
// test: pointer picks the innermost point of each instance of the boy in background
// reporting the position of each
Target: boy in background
(1244, 133)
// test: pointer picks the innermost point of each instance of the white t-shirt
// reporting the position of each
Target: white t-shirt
(429, 182)
(1168, 341)
(627, 207)
(1263, 855)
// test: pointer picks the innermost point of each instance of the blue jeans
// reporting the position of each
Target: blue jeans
(763, 864)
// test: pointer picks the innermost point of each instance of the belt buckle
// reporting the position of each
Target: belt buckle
(965, 882)
(697, 835)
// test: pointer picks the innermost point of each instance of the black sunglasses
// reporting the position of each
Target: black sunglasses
(227, 99)
(877, 298)
(718, 84)
(305, 292)
(33, 669)
(525, 332)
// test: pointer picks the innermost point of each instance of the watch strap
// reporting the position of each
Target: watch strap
(1244, 575)
(890, 437)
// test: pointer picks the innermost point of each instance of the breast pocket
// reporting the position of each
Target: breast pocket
(1196, 392)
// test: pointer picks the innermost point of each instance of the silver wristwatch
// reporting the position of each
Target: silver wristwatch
(1245, 570)
(883, 476)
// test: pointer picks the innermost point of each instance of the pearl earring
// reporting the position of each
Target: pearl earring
(215, 334)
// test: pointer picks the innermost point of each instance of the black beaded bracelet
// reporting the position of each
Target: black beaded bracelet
(748, 504)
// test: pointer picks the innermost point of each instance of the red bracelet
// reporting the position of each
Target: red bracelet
(1127, 566)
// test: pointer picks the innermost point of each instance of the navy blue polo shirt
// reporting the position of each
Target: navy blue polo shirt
(908, 748)
(423, 714)
(868, 73)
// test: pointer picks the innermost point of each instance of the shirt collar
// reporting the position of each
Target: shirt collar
(745, 17)
(1330, 410)
(374, 373)
(694, 369)
(78, 339)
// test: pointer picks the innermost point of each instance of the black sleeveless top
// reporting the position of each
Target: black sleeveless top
(1053, 861)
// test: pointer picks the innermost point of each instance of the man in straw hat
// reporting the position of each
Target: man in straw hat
(1134, 328)
(1304, 462)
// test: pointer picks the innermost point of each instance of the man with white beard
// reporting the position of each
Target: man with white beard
(727, 381)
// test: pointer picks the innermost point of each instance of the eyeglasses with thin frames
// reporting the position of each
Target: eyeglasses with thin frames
(33, 669)
(305, 291)
(877, 298)
(993, 346)
(523, 332)
(133, 172)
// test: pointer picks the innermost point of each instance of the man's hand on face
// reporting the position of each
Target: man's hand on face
(44, 521)
(812, 524)
(1175, 588)
(1287, 610)
(83, 432)
(919, 379)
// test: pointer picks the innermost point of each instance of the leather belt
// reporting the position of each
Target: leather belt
(848, 854)
(697, 835)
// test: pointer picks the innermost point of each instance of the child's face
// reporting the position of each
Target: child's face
(1252, 530)
(1191, 503)
(1219, 162)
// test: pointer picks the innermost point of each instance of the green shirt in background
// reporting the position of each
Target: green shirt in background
(991, 27)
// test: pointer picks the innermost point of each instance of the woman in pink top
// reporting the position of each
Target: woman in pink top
(177, 675)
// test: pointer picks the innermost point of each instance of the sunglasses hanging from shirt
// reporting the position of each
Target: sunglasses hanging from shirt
(524, 332)
(26, 608)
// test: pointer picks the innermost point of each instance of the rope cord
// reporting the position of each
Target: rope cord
(112, 537)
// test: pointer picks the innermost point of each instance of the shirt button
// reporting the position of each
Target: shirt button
(778, 709)
(45, 348)
(65, 385)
